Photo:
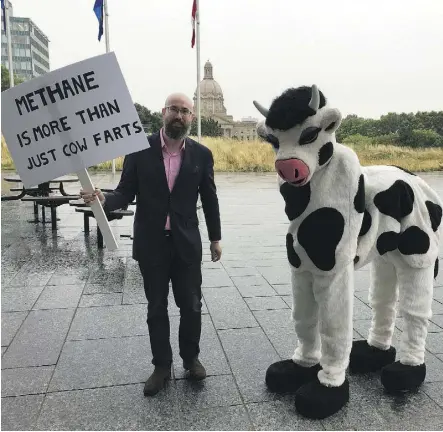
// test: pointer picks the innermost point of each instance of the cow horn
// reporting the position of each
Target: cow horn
(261, 108)
(314, 103)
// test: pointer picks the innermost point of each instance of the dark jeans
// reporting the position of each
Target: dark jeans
(186, 282)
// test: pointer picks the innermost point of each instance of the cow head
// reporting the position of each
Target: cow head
(301, 127)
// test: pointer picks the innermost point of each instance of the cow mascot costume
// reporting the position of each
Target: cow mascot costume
(342, 217)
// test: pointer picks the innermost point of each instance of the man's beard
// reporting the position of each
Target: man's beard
(176, 129)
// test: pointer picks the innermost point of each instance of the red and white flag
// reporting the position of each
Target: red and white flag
(194, 12)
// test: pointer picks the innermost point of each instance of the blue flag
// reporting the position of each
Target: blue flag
(4, 14)
(98, 10)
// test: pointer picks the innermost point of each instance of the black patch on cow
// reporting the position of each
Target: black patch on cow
(387, 242)
(403, 169)
(331, 126)
(296, 199)
(325, 153)
(436, 268)
(413, 241)
(397, 201)
(356, 259)
(293, 258)
(309, 135)
(320, 234)
(291, 108)
(366, 224)
(435, 214)
(359, 200)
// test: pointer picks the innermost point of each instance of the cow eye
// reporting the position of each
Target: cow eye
(273, 140)
(331, 126)
(309, 135)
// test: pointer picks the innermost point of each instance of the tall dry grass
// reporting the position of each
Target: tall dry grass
(240, 156)
(7, 162)
(256, 156)
(230, 155)
(412, 159)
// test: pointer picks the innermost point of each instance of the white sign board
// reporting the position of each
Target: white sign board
(70, 119)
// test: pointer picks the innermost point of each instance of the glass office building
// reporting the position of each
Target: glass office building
(30, 47)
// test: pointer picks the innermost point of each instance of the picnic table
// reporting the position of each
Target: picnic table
(52, 201)
(82, 207)
(43, 189)
(87, 212)
(42, 194)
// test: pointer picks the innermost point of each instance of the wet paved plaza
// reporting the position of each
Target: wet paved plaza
(75, 344)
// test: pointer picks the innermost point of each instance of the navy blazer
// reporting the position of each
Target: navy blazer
(144, 177)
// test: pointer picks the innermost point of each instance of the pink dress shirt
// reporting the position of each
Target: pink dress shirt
(172, 163)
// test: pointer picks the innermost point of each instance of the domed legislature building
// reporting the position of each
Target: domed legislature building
(212, 106)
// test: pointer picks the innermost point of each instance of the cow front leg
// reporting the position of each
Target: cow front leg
(289, 375)
(330, 391)
(416, 291)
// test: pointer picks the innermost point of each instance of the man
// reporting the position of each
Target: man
(167, 178)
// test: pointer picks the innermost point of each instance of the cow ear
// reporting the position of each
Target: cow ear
(331, 120)
(262, 130)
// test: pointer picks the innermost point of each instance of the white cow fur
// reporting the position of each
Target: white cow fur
(323, 300)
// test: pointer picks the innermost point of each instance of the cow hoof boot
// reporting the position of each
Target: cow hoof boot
(366, 358)
(317, 401)
(286, 376)
(398, 377)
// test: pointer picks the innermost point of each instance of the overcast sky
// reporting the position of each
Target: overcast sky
(369, 57)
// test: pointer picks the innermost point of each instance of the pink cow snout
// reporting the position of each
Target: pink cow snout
(294, 171)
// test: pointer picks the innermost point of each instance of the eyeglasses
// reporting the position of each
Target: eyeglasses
(176, 110)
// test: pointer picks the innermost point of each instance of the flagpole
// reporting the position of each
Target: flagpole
(197, 18)
(105, 7)
(8, 37)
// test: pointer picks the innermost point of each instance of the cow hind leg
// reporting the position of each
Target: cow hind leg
(416, 290)
(373, 354)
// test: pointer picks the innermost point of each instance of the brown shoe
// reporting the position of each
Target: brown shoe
(196, 369)
(157, 380)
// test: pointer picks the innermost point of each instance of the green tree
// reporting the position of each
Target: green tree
(421, 138)
(421, 129)
(209, 127)
(144, 114)
(156, 121)
(5, 79)
(351, 125)
(432, 120)
(389, 123)
(151, 122)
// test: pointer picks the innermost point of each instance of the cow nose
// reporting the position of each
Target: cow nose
(292, 170)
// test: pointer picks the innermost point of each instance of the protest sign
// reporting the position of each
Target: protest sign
(70, 119)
